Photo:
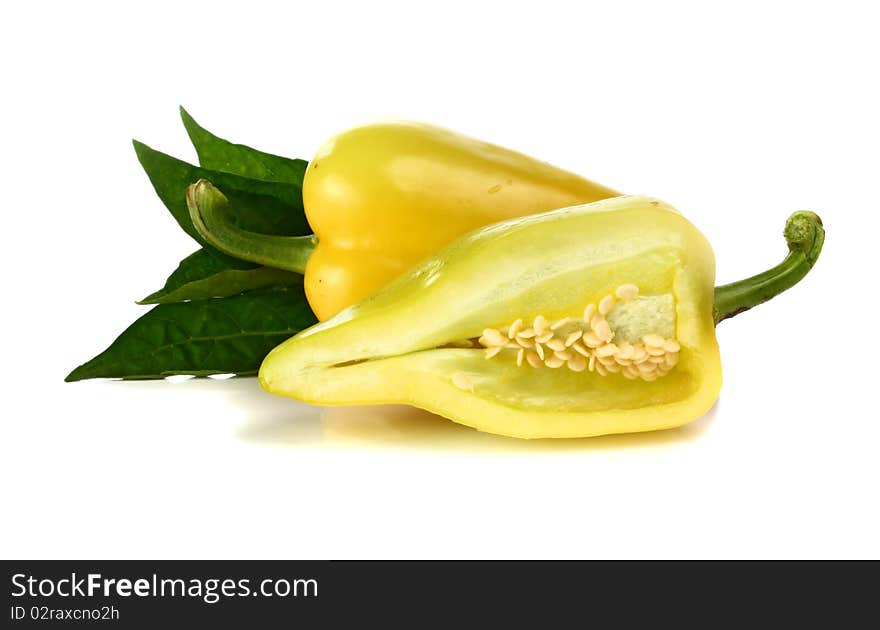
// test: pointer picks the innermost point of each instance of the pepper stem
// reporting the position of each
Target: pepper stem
(208, 209)
(805, 235)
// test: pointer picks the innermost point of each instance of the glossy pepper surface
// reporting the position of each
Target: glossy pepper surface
(583, 321)
(382, 197)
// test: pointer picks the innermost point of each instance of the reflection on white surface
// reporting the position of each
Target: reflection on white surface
(274, 420)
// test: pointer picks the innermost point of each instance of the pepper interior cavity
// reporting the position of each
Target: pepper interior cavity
(622, 334)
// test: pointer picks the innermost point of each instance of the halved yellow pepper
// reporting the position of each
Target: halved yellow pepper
(616, 297)
(382, 197)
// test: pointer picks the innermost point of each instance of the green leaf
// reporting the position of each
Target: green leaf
(202, 275)
(228, 335)
(222, 155)
(255, 205)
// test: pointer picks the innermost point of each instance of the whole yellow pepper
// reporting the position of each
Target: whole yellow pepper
(382, 197)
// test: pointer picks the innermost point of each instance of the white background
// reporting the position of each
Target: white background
(736, 116)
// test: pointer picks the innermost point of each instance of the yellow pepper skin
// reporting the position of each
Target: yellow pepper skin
(382, 197)
(404, 344)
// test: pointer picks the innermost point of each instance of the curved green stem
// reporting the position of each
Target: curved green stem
(208, 209)
(805, 235)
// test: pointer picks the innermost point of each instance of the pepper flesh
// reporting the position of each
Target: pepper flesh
(392, 347)
(382, 197)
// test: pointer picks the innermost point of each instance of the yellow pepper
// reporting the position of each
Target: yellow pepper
(583, 321)
(382, 197)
